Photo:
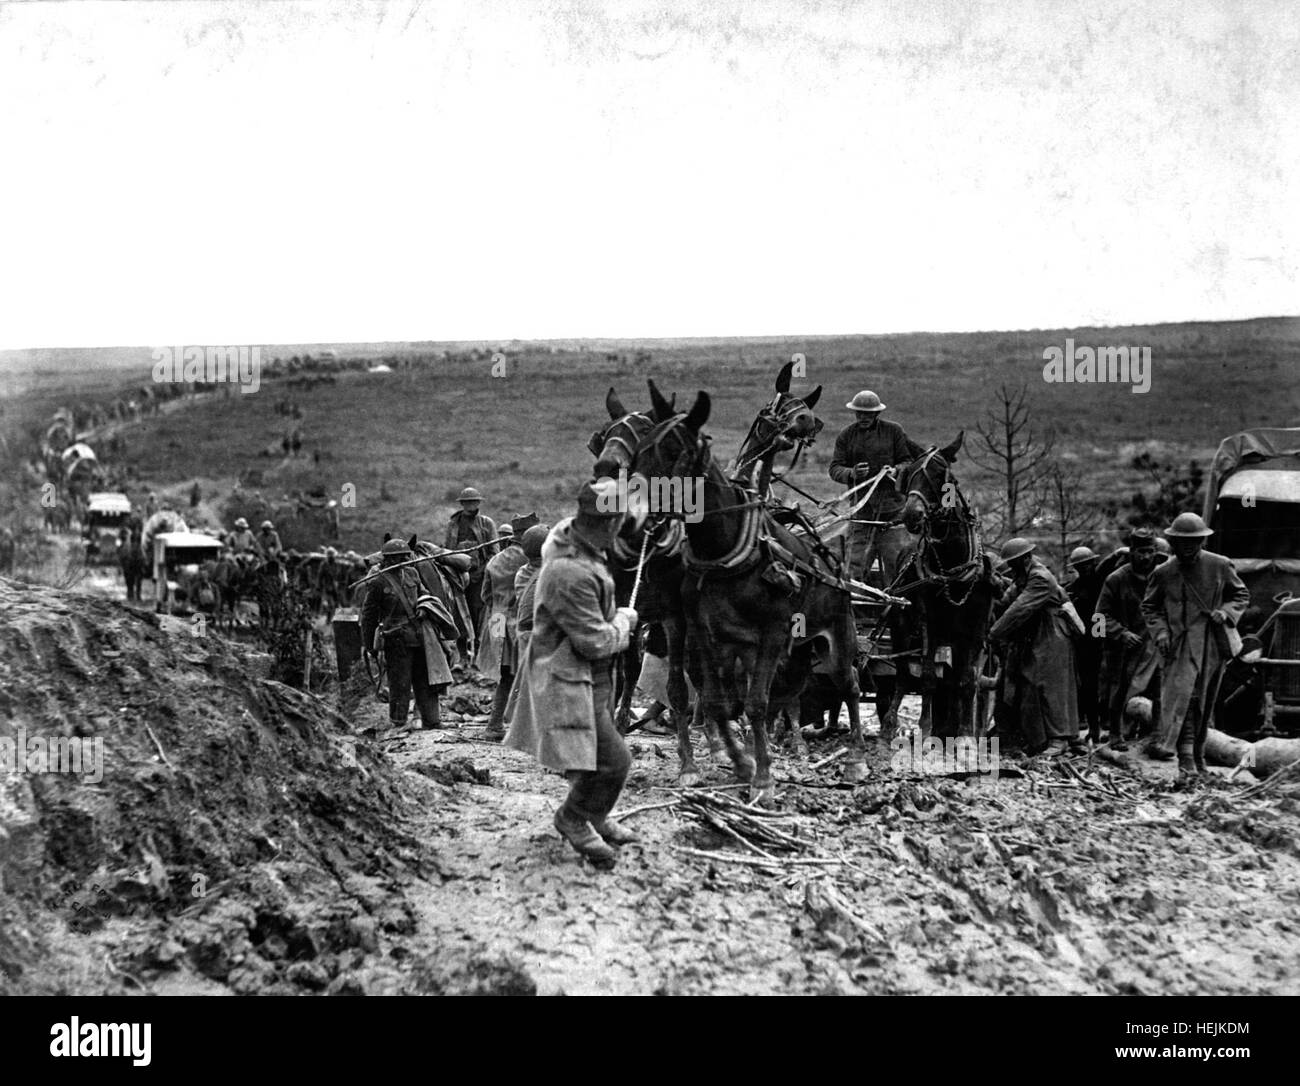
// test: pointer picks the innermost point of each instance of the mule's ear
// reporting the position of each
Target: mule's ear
(614, 405)
(387, 537)
(810, 401)
(783, 378)
(411, 543)
(663, 409)
(699, 412)
(949, 452)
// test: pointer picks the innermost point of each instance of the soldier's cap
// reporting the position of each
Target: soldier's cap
(521, 524)
(1015, 548)
(1141, 537)
(533, 539)
(1188, 526)
(865, 400)
(394, 546)
(469, 494)
(599, 499)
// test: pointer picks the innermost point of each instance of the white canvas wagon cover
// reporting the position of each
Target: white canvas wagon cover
(1265, 449)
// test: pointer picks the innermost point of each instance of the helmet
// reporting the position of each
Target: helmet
(1162, 546)
(1188, 526)
(599, 498)
(241, 523)
(505, 529)
(532, 541)
(469, 494)
(1015, 548)
(394, 546)
(1080, 554)
(267, 524)
(865, 401)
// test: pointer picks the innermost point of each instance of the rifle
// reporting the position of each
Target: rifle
(423, 558)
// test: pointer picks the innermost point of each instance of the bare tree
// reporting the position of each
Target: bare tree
(1075, 518)
(1012, 450)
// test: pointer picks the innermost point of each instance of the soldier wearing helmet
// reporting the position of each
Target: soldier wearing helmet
(1191, 600)
(1038, 678)
(268, 540)
(532, 543)
(1129, 661)
(564, 716)
(414, 659)
(497, 649)
(241, 540)
(861, 450)
(1084, 590)
(470, 528)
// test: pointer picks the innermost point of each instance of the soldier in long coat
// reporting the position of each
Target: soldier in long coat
(1190, 599)
(1038, 683)
(565, 713)
(415, 659)
(534, 539)
(497, 650)
(1129, 660)
(1084, 589)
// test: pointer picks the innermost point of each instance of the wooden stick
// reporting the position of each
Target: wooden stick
(161, 753)
(828, 759)
(647, 807)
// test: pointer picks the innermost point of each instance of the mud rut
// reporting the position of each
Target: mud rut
(1105, 884)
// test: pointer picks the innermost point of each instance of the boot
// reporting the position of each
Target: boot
(1159, 753)
(1056, 748)
(616, 834)
(585, 841)
(1186, 765)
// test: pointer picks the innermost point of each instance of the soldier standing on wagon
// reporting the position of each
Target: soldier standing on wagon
(1191, 601)
(565, 712)
(861, 450)
(470, 528)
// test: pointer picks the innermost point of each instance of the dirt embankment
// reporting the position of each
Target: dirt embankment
(219, 830)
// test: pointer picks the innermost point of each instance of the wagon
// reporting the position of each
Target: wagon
(176, 559)
(106, 515)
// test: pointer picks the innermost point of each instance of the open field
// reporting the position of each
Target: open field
(407, 441)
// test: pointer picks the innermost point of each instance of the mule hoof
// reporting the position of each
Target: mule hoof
(688, 778)
(745, 768)
(764, 795)
(855, 772)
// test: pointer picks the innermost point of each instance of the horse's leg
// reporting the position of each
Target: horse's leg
(846, 686)
(718, 705)
(631, 671)
(688, 773)
(757, 702)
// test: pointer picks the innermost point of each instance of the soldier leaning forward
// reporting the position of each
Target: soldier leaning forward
(565, 712)
(1129, 661)
(416, 647)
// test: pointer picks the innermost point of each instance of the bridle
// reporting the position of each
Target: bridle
(769, 431)
(621, 433)
(959, 525)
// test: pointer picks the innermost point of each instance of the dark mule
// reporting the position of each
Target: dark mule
(950, 581)
(132, 560)
(660, 596)
(742, 607)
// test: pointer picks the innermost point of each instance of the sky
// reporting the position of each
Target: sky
(230, 173)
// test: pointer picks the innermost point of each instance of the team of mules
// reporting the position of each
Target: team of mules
(753, 599)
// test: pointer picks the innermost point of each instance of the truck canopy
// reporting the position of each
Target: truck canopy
(108, 502)
(1252, 500)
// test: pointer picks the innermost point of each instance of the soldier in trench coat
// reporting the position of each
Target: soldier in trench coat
(565, 713)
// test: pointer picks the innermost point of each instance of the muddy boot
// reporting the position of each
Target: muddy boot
(585, 841)
(1159, 753)
(1057, 748)
(616, 834)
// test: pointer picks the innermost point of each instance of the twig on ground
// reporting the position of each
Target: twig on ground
(158, 746)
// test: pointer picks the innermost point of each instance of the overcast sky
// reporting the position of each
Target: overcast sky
(213, 173)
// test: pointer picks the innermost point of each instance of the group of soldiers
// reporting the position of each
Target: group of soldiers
(541, 618)
(1138, 637)
(1144, 643)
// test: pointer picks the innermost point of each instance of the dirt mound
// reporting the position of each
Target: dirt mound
(169, 819)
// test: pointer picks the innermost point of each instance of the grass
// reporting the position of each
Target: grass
(408, 441)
